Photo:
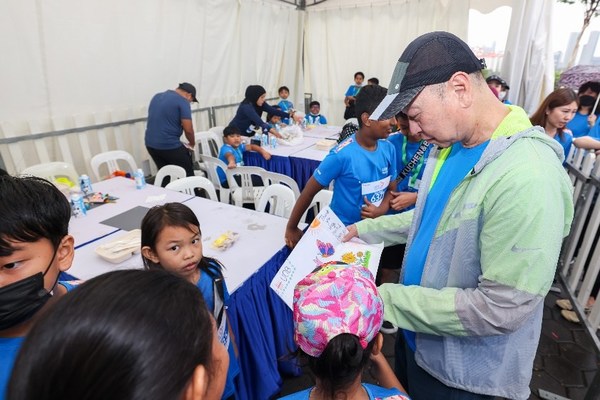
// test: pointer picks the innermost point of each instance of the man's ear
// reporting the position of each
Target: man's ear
(196, 387)
(461, 84)
(65, 253)
(148, 253)
(378, 345)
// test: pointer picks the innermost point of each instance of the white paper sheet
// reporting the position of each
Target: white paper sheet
(322, 243)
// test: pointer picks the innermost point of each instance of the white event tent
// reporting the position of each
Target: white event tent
(77, 76)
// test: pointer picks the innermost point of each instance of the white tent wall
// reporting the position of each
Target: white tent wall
(343, 38)
(528, 63)
(69, 64)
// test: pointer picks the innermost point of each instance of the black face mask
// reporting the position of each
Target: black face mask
(587, 101)
(20, 300)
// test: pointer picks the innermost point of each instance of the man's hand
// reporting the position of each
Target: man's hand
(292, 236)
(189, 146)
(352, 233)
(591, 119)
(231, 165)
(401, 200)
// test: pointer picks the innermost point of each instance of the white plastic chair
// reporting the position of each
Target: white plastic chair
(189, 183)
(208, 143)
(212, 165)
(111, 159)
(53, 170)
(319, 202)
(174, 172)
(279, 198)
(218, 130)
(245, 192)
(285, 180)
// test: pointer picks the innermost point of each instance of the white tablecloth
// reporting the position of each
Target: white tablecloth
(88, 228)
(323, 132)
(260, 236)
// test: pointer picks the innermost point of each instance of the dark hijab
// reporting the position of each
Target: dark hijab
(253, 93)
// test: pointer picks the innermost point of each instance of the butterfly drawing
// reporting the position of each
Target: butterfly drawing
(326, 249)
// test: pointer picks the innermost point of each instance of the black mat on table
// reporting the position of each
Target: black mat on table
(128, 220)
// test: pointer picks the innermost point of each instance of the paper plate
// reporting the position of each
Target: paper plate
(121, 248)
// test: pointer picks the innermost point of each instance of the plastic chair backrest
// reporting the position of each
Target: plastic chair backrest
(275, 177)
(111, 158)
(219, 131)
(53, 170)
(189, 183)
(212, 165)
(244, 191)
(208, 143)
(174, 172)
(319, 202)
(280, 198)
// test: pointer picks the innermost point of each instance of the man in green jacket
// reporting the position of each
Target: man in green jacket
(484, 238)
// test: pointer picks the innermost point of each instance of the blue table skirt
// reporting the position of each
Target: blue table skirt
(302, 170)
(264, 332)
(277, 164)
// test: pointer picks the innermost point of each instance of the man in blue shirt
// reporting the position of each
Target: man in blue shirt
(169, 114)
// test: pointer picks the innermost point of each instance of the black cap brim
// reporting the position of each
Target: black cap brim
(392, 104)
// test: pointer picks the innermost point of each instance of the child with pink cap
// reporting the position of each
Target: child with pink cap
(337, 317)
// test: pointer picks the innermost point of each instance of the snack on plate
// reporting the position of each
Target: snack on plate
(225, 240)
(122, 247)
(325, 144)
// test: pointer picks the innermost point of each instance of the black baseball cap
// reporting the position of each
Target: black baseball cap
(497, 79)
(188, 87)
(429, 59)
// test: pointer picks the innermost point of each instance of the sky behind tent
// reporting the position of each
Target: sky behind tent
(487, 29)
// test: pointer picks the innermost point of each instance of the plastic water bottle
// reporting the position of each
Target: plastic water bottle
(85, 184)
(140, 181)
(273, 142)
(78, 206)
(265, 140)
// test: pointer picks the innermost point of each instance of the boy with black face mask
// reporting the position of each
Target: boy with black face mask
(35, 248)
(585, 119)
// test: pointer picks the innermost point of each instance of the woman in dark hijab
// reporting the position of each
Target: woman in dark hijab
(248, 115)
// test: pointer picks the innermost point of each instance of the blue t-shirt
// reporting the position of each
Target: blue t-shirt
(165, 112)
(237, 153)
(579, 125)
(318, 119)
(458, 164)
(9, 348)
(594, 130)
(205, 284)
(374, 392)
(565, 141)
(358, 173)
(353, 90)
(285, 106)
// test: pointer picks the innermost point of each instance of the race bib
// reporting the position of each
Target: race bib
(375, 191)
